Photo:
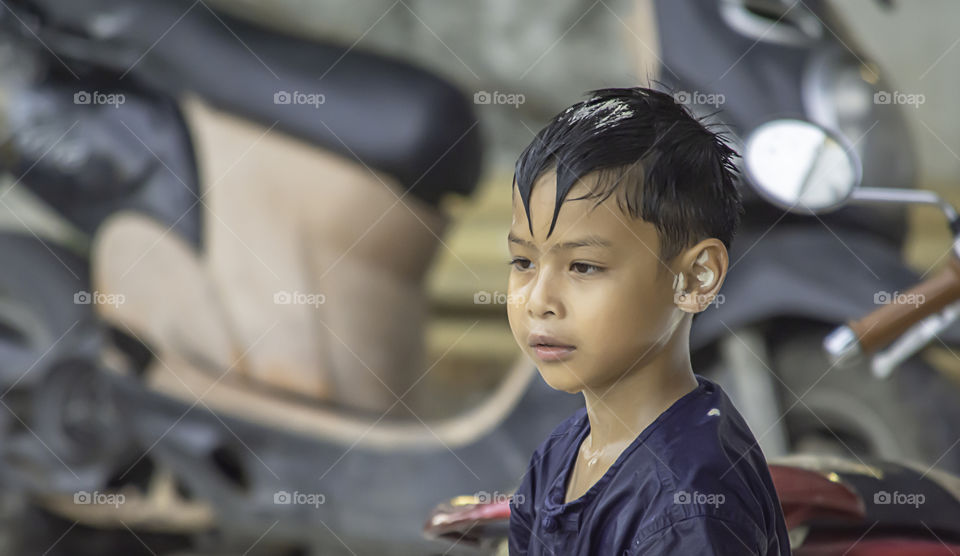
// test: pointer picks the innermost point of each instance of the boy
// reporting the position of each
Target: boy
(624, 207)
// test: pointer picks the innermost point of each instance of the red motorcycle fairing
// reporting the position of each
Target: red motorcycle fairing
(877, 547)
(806, 495)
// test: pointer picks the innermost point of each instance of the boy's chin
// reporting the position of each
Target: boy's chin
(560, 378)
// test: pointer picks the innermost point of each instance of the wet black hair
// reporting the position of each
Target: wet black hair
(670, 169)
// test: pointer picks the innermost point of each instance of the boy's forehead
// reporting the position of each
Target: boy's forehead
(543, 199)
(544, 190)
(577, 216)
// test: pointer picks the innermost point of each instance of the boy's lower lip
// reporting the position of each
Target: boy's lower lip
(553, 353)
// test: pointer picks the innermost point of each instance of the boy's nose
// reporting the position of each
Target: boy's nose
(543, 299)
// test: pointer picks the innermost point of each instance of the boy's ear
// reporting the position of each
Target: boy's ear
(700, 273)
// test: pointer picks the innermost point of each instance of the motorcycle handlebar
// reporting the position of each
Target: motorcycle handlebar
(881, 327)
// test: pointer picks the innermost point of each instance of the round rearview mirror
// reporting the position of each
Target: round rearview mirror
(801, 167)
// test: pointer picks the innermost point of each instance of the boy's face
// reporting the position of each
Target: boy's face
(593, 287)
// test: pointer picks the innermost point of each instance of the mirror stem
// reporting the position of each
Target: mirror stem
(879, 195)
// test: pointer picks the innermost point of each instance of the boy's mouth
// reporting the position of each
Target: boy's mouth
(549, 348)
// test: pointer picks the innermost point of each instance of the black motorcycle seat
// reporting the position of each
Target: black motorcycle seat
(809, 272)
(388, 114)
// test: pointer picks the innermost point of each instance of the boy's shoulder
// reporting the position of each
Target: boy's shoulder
(710, 466)
(706, 415)
(708, 437)
(695, 472)
(703, 421)
(705, 442)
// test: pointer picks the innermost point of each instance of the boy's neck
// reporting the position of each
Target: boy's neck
(619, 412)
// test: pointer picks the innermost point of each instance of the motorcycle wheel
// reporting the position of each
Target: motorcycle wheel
(844, 410)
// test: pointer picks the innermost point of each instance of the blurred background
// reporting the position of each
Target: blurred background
(255, 291)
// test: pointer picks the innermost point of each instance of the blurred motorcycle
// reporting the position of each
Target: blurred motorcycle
(793, 277)
(118, 461)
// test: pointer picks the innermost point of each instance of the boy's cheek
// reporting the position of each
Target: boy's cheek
(516, 299)
(517, 326)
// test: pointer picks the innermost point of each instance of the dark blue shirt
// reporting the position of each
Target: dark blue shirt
(694, 482)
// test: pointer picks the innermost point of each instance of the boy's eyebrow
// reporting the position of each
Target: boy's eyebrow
(589, 241)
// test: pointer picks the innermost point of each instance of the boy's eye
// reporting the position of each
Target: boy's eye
(585, 268)
(520, 263)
